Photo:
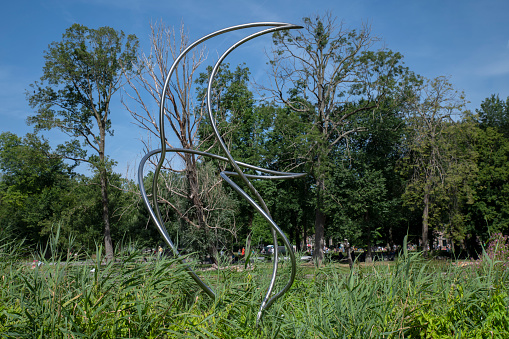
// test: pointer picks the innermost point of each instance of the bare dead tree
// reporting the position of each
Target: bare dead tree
(187, 179)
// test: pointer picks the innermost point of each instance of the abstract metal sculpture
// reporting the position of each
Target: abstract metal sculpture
(257, 202)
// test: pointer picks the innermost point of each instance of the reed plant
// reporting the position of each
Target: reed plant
(151, 297)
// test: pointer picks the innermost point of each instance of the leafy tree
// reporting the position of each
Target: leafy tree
(494, 113)
(434, 159)
(459, 182)
(243, 126)
(129, 217)
(490, 211)
(364, 189)
(81, 217)
(329, 74)
(234, 107)
(32, 184)
(80, 76)
(286, 147)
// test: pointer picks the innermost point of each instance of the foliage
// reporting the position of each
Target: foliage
(81, 74)
(32, 185)
(494, 113)
(82, 217)
(489, 212)
(251, 131)
(38, 190)
(364, 190)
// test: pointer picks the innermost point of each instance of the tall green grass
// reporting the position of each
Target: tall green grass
(133, 298)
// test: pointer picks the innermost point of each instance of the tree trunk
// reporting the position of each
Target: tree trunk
(319, 225)
(305, 238)
(297, 231)
(425, 220)
(194, 190)
(390, 244)
(369, 252)
(103, 178)
(108, 245)
(195, 199)
(211, 248)
(298, 240)
(348, 251)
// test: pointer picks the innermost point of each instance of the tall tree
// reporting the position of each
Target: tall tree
(319, 72)
(461, 162)
(188, 178)
(490, 211)
(431, 150)
(80, 76)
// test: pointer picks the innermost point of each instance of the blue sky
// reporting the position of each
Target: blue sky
(465, 40)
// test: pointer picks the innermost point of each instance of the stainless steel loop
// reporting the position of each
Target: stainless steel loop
(257, 202)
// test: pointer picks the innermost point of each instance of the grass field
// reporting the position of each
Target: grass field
(409, 298)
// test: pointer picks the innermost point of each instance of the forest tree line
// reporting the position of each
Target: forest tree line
(387, 151)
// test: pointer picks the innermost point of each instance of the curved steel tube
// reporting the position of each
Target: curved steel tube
(261, 207)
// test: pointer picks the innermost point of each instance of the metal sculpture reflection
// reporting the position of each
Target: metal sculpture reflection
(255, 200)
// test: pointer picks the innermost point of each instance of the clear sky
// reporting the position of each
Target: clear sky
(466, 40)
